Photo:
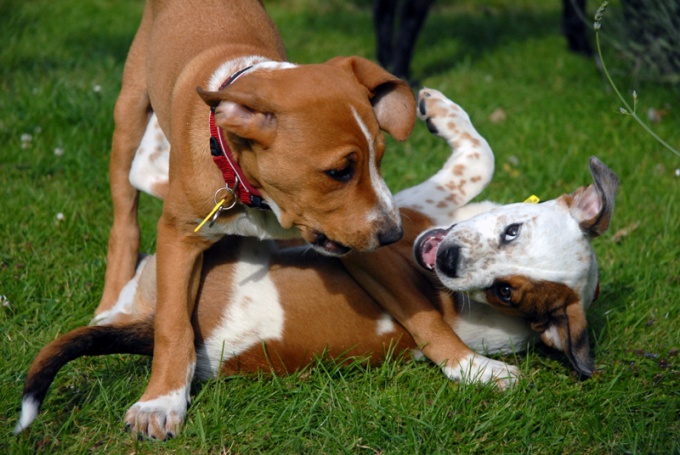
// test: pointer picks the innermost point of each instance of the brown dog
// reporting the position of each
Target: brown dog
(492, 282)
(299, 148)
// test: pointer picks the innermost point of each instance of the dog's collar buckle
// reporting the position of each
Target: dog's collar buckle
(221, 154)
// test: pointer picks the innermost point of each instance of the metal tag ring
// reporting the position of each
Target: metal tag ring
(230, 192)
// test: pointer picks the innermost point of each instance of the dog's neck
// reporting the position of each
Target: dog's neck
(226, 70)
(250, 221)
(236, 182)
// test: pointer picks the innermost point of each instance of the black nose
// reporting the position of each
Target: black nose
(448, 259)
(390, 236)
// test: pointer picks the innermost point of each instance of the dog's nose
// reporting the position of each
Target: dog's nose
(390, 236)
(448, 259)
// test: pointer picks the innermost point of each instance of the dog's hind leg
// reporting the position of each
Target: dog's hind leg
(131, 115)
(465, 174)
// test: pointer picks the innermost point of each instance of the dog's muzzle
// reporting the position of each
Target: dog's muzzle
(426, 247)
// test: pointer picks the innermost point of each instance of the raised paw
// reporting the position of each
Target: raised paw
(442, 116)
(160, 418)
(477, 368)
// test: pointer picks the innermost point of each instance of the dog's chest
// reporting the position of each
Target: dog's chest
(487, 330)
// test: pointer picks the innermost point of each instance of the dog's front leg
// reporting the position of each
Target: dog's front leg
(161, 410)
(392, 280)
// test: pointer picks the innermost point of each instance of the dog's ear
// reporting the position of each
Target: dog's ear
(241, 113)
(568, 332)
(592, 206)
(392, 99)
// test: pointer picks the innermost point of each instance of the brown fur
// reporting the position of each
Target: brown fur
(290, 127)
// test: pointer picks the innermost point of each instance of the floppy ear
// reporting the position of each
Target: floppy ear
(568, 332)
(392, 99)
(242, 113)
(592, 206)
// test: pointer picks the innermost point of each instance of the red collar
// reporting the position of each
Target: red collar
(223, 158)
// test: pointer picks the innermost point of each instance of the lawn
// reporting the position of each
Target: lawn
(60, 71)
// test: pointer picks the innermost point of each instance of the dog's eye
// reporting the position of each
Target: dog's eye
(511, 232)
(503, 292)
(342, 175)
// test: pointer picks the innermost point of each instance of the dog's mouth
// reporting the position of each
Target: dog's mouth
(426, 246)
(326, 246)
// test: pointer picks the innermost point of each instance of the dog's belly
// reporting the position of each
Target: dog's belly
(151, 166)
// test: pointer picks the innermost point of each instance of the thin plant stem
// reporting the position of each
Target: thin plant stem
(599, 15)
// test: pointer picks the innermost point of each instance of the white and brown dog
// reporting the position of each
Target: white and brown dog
(276, 150)
(517, 272)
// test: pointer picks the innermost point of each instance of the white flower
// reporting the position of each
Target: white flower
(58, 151)
(677, 172)
(60, 217)
(97, 88)
(4, 301)
(26, 140)
(599, 15)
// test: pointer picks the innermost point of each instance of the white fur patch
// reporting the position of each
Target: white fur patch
(29, 411)
(165, 413)
(252, 314)
(485, 329)
(385, 325)
(552, 337)
(227, 69)
(477, 368)
(125, 298)
(386, 204)
(252, 222)
(151, 165)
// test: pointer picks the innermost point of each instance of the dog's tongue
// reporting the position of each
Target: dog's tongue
(429, 244)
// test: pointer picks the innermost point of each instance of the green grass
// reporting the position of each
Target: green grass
(503, 54)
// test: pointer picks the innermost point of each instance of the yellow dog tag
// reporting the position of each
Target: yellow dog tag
(532, 200)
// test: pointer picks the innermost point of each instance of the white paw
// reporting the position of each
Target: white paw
(477, 368)
(160, 418)
(442, 116)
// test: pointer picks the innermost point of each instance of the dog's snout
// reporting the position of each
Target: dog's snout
(448, 259)
(390, 235)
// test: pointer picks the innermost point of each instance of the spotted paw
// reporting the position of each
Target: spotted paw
(159, 418)
(442, 116)
(479, 369)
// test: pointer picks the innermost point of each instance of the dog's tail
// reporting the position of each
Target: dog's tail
(132, 338)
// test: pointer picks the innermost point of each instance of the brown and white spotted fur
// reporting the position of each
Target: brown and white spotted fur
(265, 307)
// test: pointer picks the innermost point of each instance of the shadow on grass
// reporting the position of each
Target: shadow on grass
(448, 37)
(477, 35)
